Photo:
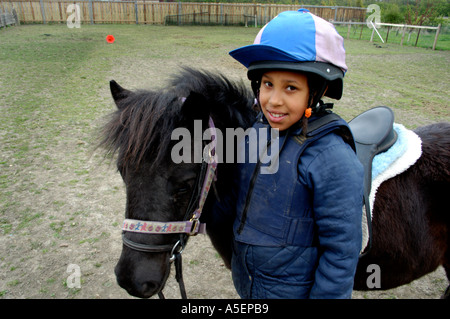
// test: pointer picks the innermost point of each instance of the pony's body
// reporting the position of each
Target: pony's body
(410, 224)
(411, 221)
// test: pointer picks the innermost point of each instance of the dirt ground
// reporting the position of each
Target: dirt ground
(69, 204)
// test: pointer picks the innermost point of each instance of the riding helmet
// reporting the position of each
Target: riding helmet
(297, 41)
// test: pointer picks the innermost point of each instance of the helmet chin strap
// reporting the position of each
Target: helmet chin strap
(255, 88)
(322, 107)
(317, 104)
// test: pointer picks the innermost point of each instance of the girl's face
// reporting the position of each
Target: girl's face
(283, 97)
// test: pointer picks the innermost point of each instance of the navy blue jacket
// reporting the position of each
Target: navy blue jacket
(298, 231)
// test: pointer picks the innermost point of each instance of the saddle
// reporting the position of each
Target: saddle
(373, 134)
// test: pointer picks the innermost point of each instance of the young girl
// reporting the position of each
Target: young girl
(297, 232)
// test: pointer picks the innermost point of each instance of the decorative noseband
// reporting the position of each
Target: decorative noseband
(158, 228)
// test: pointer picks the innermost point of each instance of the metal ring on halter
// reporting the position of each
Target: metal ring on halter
(172, 253)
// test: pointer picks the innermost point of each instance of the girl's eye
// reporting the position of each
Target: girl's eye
(291, 88)
(268, 84)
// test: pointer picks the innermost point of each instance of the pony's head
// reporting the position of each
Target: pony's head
(157, 188)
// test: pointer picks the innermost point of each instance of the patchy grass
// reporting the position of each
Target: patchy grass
(413, 81)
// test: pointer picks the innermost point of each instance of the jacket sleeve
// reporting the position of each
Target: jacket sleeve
(335, 177)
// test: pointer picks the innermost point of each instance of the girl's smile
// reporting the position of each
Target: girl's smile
(284, 98)
(276, 117)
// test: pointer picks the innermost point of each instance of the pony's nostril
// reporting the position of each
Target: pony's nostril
(148, 286)
(148, 289)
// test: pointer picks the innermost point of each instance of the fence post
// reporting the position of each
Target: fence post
(403, 35)
(259, 12)
(91, 12)
(42, 11)
(349, 29)
(180, 11)
(136, 11)
(436, 37)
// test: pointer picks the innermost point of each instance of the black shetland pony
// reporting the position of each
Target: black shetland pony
(411, 219)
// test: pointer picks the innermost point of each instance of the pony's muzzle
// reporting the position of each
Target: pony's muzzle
(140, 281)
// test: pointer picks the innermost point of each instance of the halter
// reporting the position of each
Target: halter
(189, 226)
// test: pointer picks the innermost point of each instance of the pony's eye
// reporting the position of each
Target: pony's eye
(181, 194)
(184, 187)
(182, 190)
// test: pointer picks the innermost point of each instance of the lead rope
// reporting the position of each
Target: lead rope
(178, 276)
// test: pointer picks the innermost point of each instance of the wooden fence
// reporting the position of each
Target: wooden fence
(8, 18)
(152, 12)
(403, 28)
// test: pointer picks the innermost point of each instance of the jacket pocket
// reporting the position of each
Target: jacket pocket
(282, 272)
(268, 287)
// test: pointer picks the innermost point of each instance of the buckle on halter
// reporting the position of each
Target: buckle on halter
(194, 228)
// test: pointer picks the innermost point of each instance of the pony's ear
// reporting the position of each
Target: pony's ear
(196, 107)
(118, 93)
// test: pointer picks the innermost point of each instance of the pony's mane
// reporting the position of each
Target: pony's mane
(143, 124)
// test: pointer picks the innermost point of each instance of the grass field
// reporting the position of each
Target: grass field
(61, 204)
